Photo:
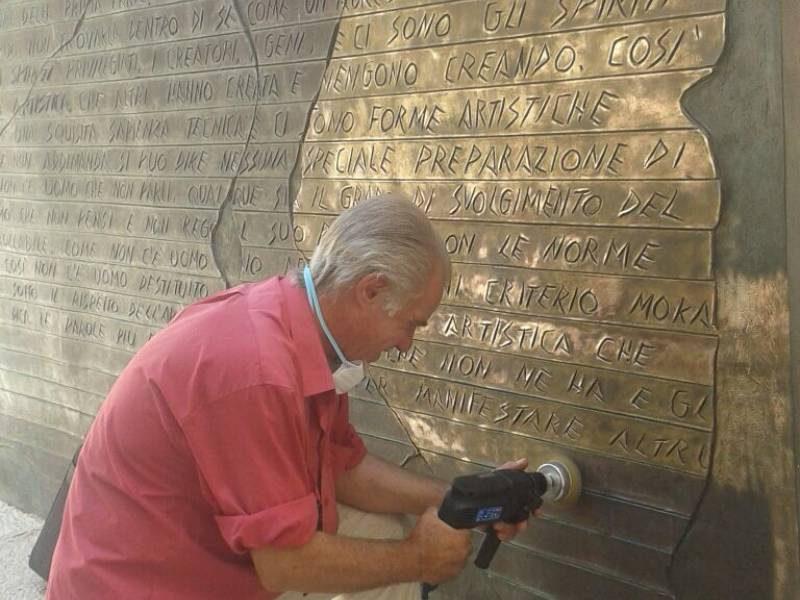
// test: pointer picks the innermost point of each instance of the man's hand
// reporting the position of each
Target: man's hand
(443, 551)
(507, 531)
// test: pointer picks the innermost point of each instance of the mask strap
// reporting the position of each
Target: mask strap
(311, 292)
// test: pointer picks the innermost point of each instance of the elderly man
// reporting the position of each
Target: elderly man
(214, 468)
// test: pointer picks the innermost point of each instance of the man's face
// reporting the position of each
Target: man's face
(397, 330)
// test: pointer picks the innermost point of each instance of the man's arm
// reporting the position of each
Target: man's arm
(433, 552)
(375, 485)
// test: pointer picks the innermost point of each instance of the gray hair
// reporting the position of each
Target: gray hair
(387, 235)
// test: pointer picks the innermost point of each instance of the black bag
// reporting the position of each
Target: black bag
(42, 553)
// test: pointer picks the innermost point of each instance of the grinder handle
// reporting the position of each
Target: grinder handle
(489, 546)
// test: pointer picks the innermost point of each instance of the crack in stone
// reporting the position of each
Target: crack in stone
(295, 183)
(44, 64)
(295, 178)
(417, 452)
(225, 223)
(224, 233)
(703, 495)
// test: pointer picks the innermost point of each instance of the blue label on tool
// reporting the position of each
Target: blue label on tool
(489, 514)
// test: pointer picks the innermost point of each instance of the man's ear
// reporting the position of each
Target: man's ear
(372, 289)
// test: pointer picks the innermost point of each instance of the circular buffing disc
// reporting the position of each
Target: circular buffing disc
(564, 481)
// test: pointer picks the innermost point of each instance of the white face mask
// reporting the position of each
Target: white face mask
(349, 374)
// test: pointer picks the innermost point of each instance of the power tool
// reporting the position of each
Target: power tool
(506, 495)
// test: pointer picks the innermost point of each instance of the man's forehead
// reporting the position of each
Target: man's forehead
(421, 307)
(425, 307)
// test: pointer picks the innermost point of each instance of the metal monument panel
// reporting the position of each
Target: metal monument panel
(153, 153)
(578, 202)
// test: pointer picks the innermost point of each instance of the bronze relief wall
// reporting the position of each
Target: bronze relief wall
(155, 152)
(578, 204)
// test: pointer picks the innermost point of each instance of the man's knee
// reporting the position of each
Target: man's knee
(360, 524)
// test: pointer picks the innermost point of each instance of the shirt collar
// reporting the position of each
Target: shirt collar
(315, 374)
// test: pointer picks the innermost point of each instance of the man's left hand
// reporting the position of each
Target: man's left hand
(507, 531)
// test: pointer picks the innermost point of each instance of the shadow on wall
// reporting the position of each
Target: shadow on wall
(731, 557)
(738, 547)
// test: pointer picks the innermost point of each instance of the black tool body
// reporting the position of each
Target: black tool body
(506, 495)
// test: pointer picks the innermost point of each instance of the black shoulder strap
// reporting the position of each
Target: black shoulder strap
(42, 553)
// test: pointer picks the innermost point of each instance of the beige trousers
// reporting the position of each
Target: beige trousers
(356, 523)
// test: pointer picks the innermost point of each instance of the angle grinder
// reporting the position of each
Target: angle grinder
(509, 496)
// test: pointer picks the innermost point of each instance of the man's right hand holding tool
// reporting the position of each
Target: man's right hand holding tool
(502, 500)
(442, 550)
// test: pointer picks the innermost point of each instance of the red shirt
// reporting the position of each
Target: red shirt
(222, 435)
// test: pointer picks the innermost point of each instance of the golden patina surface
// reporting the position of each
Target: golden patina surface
(153, 153)
(574, 427)
(674, 204)
(548, 144)
(675, 402)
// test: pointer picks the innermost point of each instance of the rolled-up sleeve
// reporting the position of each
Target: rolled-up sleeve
(249, 453)
(285, 525)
